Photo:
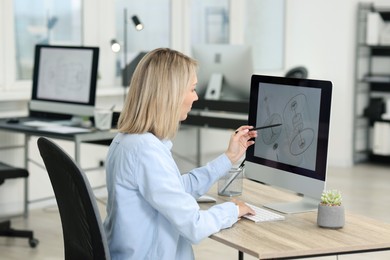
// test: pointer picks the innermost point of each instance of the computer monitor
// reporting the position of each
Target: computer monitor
(64, 81)
(224, 71)
(128, 70)
(291, 156)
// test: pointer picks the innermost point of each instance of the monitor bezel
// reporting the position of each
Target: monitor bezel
(323, 127)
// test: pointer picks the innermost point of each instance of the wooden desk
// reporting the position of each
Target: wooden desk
(299, 236)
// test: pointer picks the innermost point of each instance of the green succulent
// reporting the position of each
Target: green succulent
(331, 198)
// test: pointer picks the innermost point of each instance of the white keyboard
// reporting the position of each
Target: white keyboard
(263, 215)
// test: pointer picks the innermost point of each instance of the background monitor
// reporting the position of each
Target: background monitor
(224, 71)
(292, 156)
(64, 81)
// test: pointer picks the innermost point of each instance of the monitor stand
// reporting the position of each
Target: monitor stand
(214, 87)
(303, 205)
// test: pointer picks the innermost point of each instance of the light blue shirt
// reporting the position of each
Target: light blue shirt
(152, 211)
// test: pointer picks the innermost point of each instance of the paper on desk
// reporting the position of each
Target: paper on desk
(63, 129)
(55, 127)
(37, 123)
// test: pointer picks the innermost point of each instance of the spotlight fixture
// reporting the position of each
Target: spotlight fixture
(115, 46)
(137, 23)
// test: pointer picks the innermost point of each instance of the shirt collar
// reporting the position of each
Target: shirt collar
(167, 143)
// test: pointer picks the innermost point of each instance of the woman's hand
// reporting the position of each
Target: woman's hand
(239, 142)
(244, 209)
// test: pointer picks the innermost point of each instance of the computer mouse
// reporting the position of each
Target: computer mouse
(206, 199)
(13, 121)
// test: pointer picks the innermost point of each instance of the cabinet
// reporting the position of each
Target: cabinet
(372, 81)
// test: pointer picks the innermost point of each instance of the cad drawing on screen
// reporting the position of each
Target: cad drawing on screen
(298, 130)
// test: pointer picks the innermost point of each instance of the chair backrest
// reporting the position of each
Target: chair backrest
(83, 232)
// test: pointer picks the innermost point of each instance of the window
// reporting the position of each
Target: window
(44, 22)
(210, 21)
(259, 23)
(167, 23)
(154, 15)
(264, 30)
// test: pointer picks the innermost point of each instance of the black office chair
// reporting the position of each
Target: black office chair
(10, 172)
(83, 232)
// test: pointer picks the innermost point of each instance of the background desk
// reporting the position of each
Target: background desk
(299, 236)
(77, 138)
(217, 114)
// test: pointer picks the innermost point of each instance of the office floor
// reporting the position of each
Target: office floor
(365, 190)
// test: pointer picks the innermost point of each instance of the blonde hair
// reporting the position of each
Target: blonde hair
(157, 90)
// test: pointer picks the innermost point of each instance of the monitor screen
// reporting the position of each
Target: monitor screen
(292, 155)
(64, 80)
(224, 71)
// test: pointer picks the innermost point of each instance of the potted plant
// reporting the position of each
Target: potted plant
(330, 210)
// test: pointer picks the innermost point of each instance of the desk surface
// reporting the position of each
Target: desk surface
(299, 235)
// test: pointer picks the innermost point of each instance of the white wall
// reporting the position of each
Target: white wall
(320, 35)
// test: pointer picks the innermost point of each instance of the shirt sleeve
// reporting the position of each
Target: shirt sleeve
(198, 181)
(161, 185)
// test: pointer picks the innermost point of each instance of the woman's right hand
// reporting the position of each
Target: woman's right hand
(240, 140)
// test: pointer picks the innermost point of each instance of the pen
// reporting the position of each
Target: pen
(242, 164)
(262, 127)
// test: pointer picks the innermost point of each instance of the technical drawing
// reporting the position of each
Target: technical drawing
(270, 135)
(289, 142)
(299, 135)
(65, 77)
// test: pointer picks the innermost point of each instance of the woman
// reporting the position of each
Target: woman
(152, 211)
